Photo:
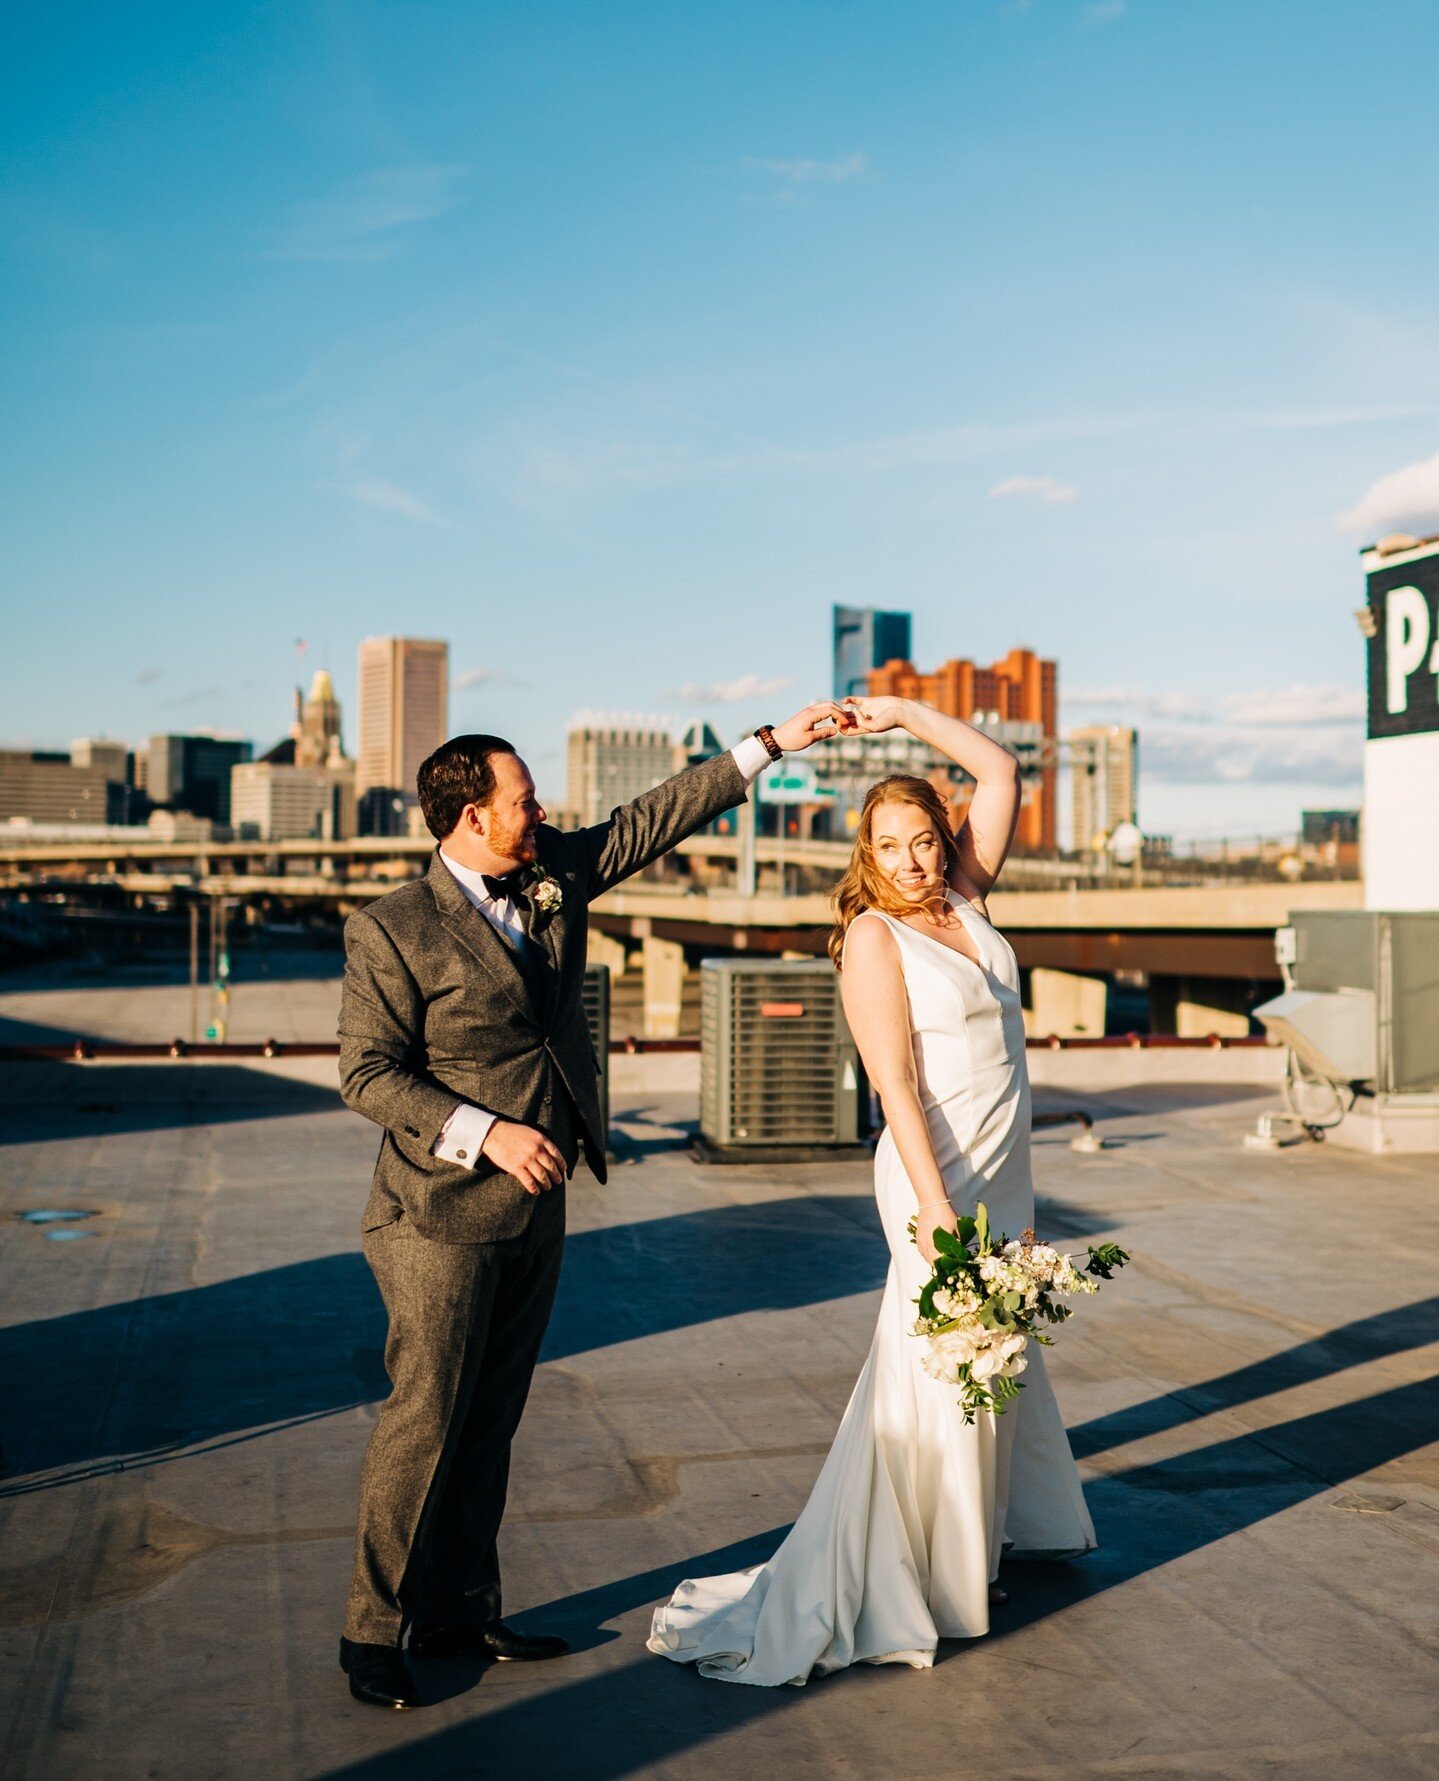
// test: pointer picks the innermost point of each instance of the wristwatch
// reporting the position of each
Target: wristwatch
(766, 735)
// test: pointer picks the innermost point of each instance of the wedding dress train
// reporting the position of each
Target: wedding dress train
(902, 1533)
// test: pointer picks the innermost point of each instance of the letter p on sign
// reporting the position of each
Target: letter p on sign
(1406, 638)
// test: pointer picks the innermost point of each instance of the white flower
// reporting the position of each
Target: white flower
(950, 1350)
(955, 1301)
(546, 894)
(1002, 1276)
(1003, 1357)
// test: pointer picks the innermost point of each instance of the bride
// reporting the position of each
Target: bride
(900, 1541)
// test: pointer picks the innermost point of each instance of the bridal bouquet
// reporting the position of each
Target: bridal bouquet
(985, 1301)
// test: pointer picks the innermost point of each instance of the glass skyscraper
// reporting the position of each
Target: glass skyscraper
(864, 639)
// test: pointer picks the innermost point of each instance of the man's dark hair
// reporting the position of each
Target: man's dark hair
(459, 772)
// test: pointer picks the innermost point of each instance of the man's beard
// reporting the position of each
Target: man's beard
(517, 843)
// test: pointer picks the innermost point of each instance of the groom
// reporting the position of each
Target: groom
(463, 1034)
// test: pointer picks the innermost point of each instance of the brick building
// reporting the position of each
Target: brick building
(1022, 688)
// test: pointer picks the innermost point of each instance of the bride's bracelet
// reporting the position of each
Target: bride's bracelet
(924, 1203)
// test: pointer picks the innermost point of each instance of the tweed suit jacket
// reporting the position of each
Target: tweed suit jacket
(436, 1011)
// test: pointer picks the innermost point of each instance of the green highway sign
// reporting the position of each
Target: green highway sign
(789, 782)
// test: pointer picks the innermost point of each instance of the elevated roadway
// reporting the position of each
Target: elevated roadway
(1221, 931)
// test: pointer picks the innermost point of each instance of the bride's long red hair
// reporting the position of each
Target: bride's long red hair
(863, 885)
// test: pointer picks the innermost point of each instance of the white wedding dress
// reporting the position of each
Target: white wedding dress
(902, 1533)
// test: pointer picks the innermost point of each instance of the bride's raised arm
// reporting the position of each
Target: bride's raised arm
(985, 835)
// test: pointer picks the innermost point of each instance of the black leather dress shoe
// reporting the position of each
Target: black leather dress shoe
(378, 1675)
(496, 1641)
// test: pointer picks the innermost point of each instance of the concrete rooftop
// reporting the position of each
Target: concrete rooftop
(190, 1378)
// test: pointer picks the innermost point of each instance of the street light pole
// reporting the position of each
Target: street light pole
(194, 973)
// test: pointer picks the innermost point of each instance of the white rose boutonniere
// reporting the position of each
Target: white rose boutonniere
(546, 894)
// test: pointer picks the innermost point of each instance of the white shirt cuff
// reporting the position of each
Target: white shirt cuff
(462, 1134)
(751, 757)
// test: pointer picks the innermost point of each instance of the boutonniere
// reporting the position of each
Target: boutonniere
(546, 894)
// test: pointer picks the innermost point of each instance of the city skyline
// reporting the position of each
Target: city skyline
(617, 355)
(551, 763)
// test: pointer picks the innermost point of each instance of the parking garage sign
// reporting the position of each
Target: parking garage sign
(1404, 646)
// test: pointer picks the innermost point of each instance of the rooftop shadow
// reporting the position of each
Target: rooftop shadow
(251, 961)
(180, 1369)
(645, 1715)
(1143, 1100)
(45, 1100)
(1352, 1345)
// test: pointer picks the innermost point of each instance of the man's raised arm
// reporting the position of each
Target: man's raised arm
(649, 825)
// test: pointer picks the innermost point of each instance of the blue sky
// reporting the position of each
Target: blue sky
(616, 343)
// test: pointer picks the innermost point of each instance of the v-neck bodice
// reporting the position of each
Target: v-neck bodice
(966, 1018)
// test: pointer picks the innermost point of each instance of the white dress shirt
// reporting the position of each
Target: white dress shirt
(463, 1135)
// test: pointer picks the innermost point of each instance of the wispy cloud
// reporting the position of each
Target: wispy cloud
(1405, 500)
(807, 172)
(730, 692)
(1292, 705)
(1104, 12)
(365, 222)
(473, 678)
(203, 695)
(794, 174)
(388, 499)
(1192, 755)
(1297, 735)
(685, 449)
(1046, 489)
(601, 464)
(1304, 420)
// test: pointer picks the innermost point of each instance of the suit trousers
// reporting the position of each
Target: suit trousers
(466, 1324)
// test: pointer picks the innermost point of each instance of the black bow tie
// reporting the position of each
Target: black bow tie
(500, 888)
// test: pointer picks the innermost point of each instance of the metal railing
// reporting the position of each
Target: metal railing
(81, 1050)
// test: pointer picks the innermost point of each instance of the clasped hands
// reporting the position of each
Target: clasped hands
(838, 717)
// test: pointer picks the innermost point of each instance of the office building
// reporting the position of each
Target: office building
(303, 788)
(193, 773)
(610, 759)
(281, 801)
(1104, 783)
(179, 825)
(113, 759)
(40, 786)
(316, 729)
(404, 696)
(127, 802)
(866, 639)
(1021, 689)
(1318, 828)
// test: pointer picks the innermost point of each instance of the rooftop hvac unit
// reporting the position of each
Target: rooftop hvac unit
(1360, 1015)
(596, 998)
(779, 1071)
(1361, 1002)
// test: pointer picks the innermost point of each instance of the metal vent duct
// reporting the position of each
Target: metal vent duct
(1331, 1032)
